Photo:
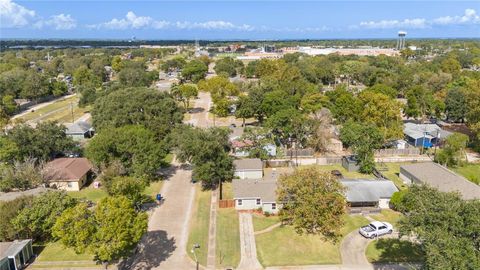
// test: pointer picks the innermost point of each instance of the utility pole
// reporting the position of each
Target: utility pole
(71, 109)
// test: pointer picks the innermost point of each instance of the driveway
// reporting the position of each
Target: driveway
(248, 248)
(164, 245)
(353, 250)
(199, 114)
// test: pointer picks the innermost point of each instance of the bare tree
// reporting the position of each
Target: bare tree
(322, 130)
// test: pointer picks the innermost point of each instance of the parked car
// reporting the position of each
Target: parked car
(375, 229)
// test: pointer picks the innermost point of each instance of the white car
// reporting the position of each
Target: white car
(375, 229)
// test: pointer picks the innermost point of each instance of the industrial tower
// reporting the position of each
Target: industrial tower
(401, 40)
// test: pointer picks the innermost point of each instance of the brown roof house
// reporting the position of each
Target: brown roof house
(69, 174)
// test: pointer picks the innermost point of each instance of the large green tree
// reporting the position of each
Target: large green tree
(136, 147)
(44, 142)
(194, 71)
(446, 225)
(207, 150)
(110, 231)
(37, 220)
(312, 202)
(363, 139)
(137, 106)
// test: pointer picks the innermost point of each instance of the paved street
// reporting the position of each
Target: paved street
(248, 247)
(164, 245)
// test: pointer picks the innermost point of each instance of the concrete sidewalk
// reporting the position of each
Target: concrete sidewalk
(248, 248)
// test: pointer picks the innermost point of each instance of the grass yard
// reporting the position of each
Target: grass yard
(90, 193)
(153, 188)
(393, 172)
(386, 250)
(346, 174)
(298, 249)
(389, 216)
(55, 251)
(470, 171)
(227, 191)
(228, 238)
(262, 222)
(199, 225)
(59, 110)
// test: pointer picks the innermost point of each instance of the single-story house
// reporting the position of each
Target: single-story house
(69, 174)
(350, 163)
(426, 135)
(240, 148)
(80, 130)
(249, 168)
(15, 255)
(438, 176)
(253, 194)
(368, 193)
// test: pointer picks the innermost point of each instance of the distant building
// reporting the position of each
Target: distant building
(69, 174)
(80, 130)
(426, 135)
(368, 193)
(15, 255)
(253, 194)
(250, 168)
(439, 177)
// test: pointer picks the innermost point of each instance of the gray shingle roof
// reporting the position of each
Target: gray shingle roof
(363, 190)
(263, 189)
(443, 179)
(248, 164)
(12, 248)
(417, 131)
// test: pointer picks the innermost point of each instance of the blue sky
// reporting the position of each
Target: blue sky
(156, 19)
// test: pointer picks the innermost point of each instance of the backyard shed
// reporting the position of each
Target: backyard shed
(80, 130)
(250, 168)
(438, 176)
(350, 163)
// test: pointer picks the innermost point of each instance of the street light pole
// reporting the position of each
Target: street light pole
(195, 246)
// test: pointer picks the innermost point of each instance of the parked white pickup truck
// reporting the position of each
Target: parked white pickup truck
(375, 229)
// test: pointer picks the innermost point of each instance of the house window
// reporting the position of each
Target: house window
(239, 202)
(69, 184)
(274, 206)
(258, 201)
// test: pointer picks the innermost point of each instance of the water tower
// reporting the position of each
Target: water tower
(401, 40)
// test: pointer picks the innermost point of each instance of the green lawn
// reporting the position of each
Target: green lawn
(346, 174)
(60, 111)
(199, 226)
(386, 250)
(55, 251)
(90, 193)
(228, 238)
(153, 188)
(227, 190)
(389, 216)
(393, 172)
(470, 171)
(262, 222)
(283, 246)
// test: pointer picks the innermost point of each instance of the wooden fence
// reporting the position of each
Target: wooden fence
(226, 203)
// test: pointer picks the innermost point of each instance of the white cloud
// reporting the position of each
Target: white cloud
(470, 16)
(132, 21)
(384, 24)
(57, 22)
(14, 15)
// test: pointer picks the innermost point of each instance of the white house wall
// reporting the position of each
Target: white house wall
(247, 204)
